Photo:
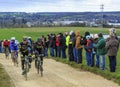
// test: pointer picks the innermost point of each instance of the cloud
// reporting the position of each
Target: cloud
(58, 5)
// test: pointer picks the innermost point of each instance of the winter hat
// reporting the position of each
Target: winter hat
(87, 33)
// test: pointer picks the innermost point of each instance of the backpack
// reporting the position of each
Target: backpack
(83, 41)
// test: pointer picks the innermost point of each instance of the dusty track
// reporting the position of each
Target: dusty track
(55, 75)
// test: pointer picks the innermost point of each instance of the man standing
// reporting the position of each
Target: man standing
(63, 45)
(101, 51)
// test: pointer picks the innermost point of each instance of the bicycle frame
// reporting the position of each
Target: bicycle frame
(7, 52)
(26, 67)
(39, 64)
(14, 58)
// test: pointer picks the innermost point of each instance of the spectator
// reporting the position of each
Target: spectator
(94, 51)
(63, 45)
(112, 49)
(88, 49)
(58, 45)
(73, 45)
(52, 45)
(1, 46)
(45, 44)
(70, 47)
(78, 47)
(101, 51)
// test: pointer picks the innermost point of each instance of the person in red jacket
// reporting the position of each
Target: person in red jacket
(57, 43)
(6, 44)
(88, 49)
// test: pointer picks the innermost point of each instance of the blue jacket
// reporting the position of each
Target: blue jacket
(13, 46)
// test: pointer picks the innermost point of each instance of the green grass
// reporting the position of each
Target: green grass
(37, 32)
(4, 78)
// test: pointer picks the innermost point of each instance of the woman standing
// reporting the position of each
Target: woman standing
(112, 49)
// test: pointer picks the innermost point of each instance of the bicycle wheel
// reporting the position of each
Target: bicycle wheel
(26, 70)
(16, 62)
(38, 67)
(41, 70)
(6, 54)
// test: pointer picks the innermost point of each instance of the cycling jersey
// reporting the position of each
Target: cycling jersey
(6, 43)
(24, 47)
(13, 46)
(38, 48)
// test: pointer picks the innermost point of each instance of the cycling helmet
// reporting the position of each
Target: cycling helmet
(12, 38)
(39, 40)
(29, 37)
(24, 38)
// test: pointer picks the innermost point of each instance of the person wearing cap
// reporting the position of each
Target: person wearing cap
(101, 50)
(94, 54)
(88, 48)
(112, 49)
(70, 46)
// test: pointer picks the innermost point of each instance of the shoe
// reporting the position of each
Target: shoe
(23, 72)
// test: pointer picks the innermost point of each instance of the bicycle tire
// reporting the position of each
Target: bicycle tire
(6, 54)
(38, 67)
(26, 68)
(41, 70)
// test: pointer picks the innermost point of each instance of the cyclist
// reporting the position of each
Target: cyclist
(6, 45)
(39, 49)
(13, 48)
(24, 52)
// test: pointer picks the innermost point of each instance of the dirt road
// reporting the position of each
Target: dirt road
(55, 75)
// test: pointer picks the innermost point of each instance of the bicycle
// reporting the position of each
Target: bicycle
(7, 53)
(15, 58)
(26, 66)
(39, 63)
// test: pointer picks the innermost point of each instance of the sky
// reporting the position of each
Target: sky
(58, 5)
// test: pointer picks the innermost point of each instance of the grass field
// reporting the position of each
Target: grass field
(36, 32)
(4, 78)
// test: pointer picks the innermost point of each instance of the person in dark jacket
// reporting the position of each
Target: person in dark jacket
(70, 47)
(62, 45)
(112, 49)
(46, 45)
(52, 45)
(73, 45)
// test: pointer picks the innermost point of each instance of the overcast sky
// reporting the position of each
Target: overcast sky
(58, 5)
